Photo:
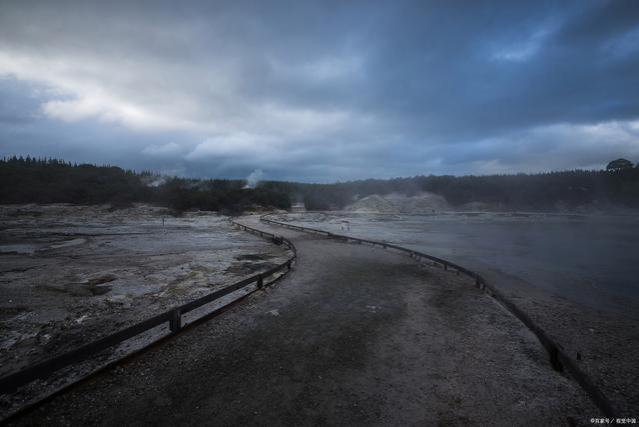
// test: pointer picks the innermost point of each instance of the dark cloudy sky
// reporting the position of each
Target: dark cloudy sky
(322, 91)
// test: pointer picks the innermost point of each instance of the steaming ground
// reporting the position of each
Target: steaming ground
(575, 275)
(71, 274)
(394, 203)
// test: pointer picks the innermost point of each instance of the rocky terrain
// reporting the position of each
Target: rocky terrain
(394, 203)
(72, 274)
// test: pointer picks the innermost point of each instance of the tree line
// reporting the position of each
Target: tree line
(616, 186)
(31, 180)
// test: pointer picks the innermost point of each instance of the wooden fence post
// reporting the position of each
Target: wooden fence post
(175, 324)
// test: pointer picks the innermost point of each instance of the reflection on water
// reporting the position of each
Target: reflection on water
(589, 260)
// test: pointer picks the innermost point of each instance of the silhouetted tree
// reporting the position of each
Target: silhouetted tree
(619, 165)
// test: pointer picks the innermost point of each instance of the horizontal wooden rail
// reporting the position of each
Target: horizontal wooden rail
(559, 360)
(173, 317)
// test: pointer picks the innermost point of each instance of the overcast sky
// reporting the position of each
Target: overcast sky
(322, 91)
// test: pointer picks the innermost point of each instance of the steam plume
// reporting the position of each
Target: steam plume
(254, 178)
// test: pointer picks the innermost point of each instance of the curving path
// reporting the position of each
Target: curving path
(353, 335)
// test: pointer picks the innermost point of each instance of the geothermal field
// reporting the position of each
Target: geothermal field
(573, 274)
(72, 274)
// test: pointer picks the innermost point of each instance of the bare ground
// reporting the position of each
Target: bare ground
(353, 336)
(70, 275)
(605, 345)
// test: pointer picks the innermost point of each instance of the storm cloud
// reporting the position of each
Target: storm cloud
(322, 91)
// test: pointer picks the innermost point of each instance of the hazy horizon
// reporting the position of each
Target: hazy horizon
(257, 175)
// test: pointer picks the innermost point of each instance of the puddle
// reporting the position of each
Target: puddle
(251, 257)
(68, 243)
(248, 268)
(19, 248)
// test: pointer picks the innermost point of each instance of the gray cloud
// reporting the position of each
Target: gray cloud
(321, 90)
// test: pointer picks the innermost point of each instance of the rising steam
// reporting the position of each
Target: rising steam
(254, 178)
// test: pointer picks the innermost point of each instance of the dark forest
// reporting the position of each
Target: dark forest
(31, 180)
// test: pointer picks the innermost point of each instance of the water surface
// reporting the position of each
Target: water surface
(590, 260)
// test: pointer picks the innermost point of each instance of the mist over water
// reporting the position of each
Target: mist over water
(591, 261)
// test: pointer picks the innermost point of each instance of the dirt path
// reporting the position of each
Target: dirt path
(354, 335)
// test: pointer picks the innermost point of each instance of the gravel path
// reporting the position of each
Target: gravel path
(354, 335)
